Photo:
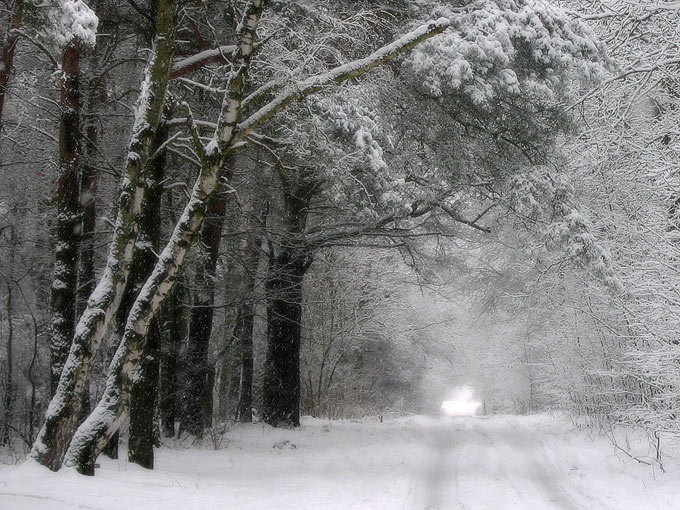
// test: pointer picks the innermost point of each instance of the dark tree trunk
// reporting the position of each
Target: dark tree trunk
(251, 256)
(176, 326)
(201, 319)
(281, 390)
(231, 370)
(9, 46)
(244, 413)
(65, 281)
(9, 377)
(143, 404)
(143, 395)
(88, 194)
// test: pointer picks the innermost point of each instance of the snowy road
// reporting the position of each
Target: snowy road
(411, 463)
(488, 464)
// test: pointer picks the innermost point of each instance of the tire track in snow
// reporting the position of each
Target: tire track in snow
(540, 473)
(67, 504)
(441, 469)
(475, 464)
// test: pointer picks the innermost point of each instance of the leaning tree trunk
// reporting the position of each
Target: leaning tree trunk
(9, 46)
(281, 389)
(201, 320)
(62, 414)
(65, 280)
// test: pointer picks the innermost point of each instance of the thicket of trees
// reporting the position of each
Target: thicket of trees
(217, 211)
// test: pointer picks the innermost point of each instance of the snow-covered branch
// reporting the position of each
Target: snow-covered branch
(341, 73)
(76, 21)
(194, 62)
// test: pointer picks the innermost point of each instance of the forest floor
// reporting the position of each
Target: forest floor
(413, 463)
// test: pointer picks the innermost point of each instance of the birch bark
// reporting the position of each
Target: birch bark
(63, 411)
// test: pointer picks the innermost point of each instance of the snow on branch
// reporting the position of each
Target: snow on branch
(76, 21)
(339, 74)
(548, 201)
(194, 62)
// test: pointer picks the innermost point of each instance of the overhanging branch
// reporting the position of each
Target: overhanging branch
(339, 74)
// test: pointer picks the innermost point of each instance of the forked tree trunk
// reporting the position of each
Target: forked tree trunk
(63, 412)
(65, 280)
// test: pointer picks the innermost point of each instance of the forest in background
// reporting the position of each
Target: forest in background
(220, 211)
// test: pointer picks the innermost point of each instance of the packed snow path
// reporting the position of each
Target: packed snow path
(414, 463)
(479, 464)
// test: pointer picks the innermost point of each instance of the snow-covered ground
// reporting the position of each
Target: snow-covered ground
(419, 463)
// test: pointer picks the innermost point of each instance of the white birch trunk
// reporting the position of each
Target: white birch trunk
(63, 411)
(93, 434)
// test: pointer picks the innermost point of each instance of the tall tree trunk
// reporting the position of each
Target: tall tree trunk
(244, 406)
(97, 96)
(176, 326)
(9, 46)
(65, 280)
(228, 366)
(62, 415)
(281, 389)
(251, 256)
(201, 319)
(9, 376)
(144, 393)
